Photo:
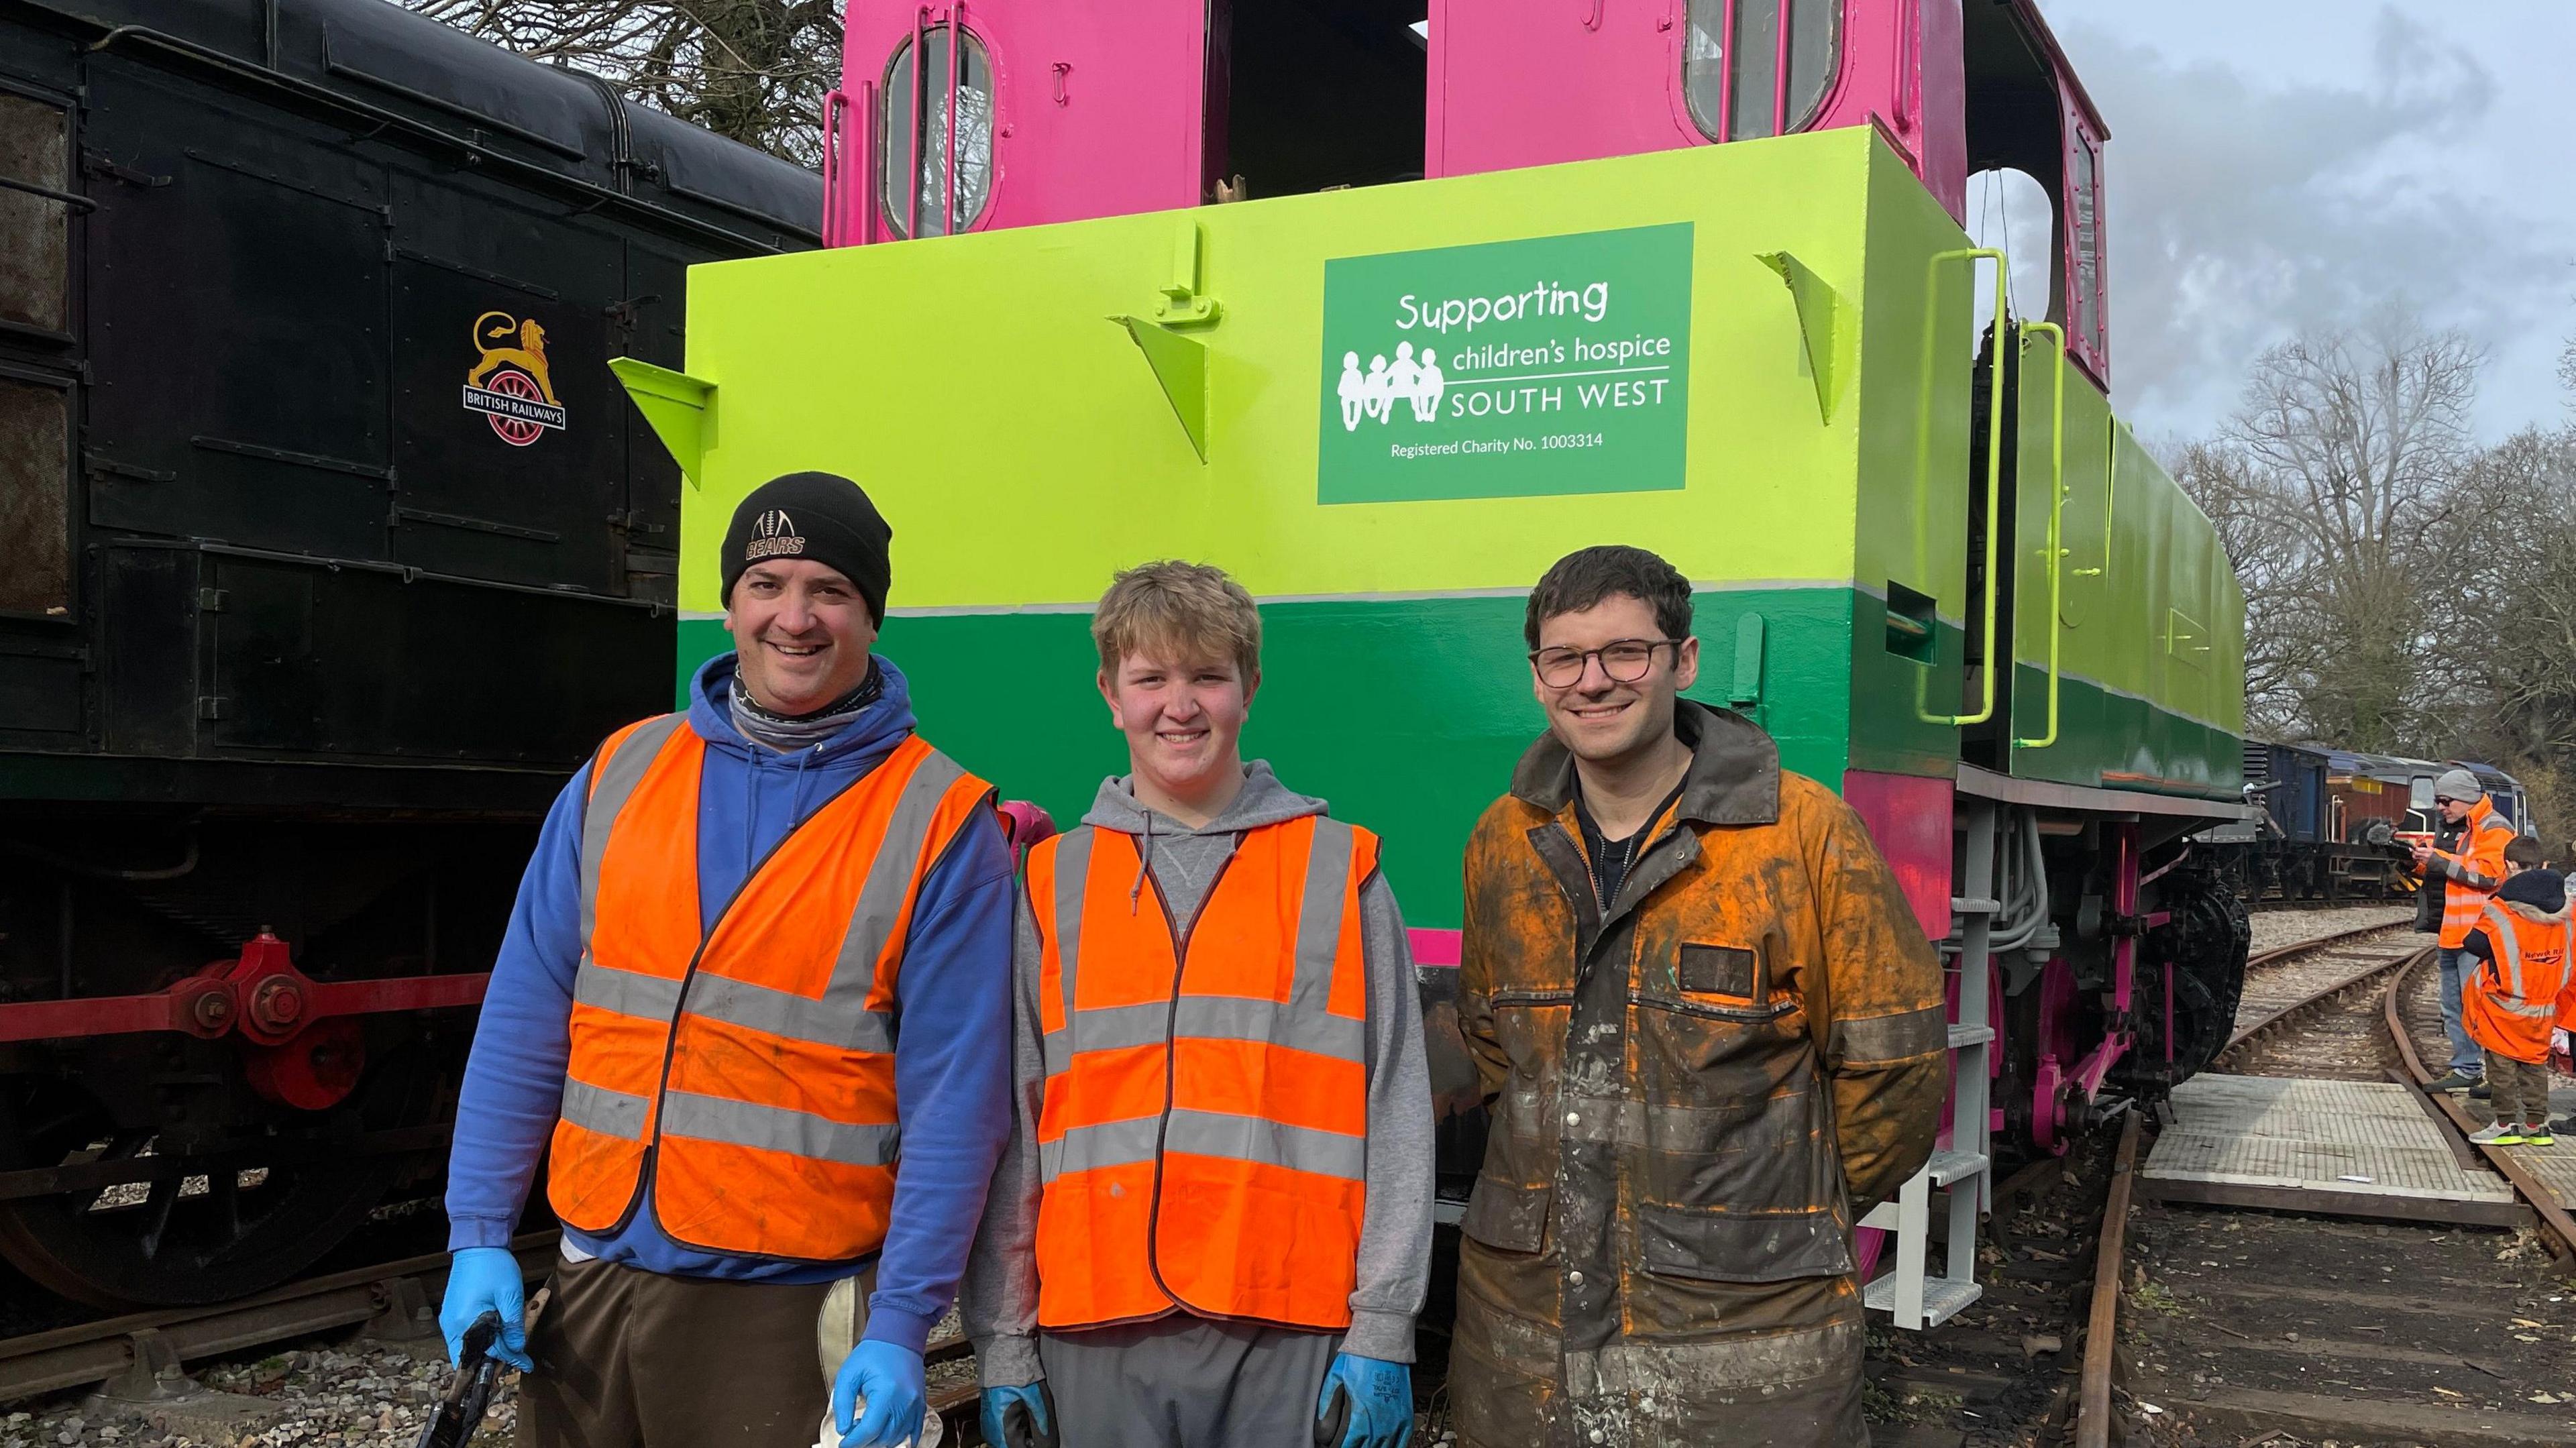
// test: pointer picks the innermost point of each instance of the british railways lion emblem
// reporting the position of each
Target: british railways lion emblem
(509, 385)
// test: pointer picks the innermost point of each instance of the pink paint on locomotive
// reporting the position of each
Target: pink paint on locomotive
(1097, 109)
(1909, 818)
(1529, 82)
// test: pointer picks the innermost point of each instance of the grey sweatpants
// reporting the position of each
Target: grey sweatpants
(1186, 1382)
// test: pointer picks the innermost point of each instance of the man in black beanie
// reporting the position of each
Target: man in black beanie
(756, 994)
(814, 537)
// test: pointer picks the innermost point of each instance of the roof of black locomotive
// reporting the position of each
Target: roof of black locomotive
(389, 59)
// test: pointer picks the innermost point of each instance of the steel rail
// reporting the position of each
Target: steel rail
(2279, 1016)
(2102, 1324)
(2322, 942)
(2557, 1230)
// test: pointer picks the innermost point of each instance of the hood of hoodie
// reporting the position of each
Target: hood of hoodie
(877, 729)
(1263, 801)
(2536, 895)
(1186, 866)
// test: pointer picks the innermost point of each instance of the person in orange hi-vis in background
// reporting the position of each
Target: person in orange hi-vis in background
(2510, 1001)
(2469, 877)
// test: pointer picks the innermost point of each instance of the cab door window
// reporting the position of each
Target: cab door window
(931, 79)
(1759, 67)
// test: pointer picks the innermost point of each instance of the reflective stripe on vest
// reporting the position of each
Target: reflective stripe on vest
(2508, 1006)
(1203, 1137)
(751, 1060)
(2462, 904)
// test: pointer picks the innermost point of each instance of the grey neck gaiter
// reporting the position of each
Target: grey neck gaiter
(787, 734)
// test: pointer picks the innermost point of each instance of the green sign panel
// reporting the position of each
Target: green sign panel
(1560, 364)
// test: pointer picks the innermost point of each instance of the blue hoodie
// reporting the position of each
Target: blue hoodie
(952, 1062)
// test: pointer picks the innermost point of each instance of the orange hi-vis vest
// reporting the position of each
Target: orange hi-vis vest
(1203, 1141)
(2510, 1003)
(2483, 836)
(745, 1071)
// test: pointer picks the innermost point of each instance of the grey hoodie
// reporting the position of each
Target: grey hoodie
(998, 1300)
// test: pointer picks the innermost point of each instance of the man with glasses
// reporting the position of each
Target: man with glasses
(2469, 877)
(1711, 1033)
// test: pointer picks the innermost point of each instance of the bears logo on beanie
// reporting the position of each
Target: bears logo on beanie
(821, 517)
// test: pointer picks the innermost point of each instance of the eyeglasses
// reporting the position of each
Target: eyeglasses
(1624, 660)
(2444, 799)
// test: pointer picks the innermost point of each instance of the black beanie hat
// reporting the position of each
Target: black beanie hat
(819, 516)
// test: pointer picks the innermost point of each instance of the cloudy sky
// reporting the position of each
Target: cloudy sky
(2280, 164)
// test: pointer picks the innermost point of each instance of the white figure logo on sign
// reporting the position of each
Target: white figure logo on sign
(1420, 383)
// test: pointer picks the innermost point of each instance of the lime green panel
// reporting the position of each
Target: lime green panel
(1912, 482)
(2149, 616)
(1023, 450)
(1436, 691)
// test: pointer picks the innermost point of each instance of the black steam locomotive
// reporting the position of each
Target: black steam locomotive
(328, 547)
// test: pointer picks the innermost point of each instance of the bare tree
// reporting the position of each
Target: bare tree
(754, 70)
(2351, 445)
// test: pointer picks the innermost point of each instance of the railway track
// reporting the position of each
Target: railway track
(2252, 1326)
(136, 1353)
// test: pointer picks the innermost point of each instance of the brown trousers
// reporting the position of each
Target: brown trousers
(631, 1359)
(2521, 1089)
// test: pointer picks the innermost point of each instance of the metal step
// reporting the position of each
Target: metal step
(1943, 1298)
(1972, 905)
(1951, 1166)
(1970, 1036)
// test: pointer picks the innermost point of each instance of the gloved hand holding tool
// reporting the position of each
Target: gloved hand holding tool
(481, 1282)
(888, 1377)
(1020, 1417)
(460, 1412)
(1366, 1403)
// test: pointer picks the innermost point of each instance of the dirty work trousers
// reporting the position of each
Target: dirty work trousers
(1186, 1382)
(2466, 1057)
(632, 1359)
(2521, 1090)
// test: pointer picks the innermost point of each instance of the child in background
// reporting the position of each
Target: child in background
(2523, 942)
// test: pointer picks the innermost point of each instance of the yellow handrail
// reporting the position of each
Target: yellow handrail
(2056, 521)
(1994, 475)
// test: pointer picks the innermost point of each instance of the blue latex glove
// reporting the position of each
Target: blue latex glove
(889, 1376)
(479, 1280)
(998, 1403)
(1381, 1399)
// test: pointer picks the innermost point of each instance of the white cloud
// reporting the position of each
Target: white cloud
(2270, 187)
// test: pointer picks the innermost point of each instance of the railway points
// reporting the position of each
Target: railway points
(2293, 1309)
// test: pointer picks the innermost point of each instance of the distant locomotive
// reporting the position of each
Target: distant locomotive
(1690, 275)
(2336, 823)
(328, 548)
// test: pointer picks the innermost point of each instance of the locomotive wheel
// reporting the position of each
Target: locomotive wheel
(210, 1231)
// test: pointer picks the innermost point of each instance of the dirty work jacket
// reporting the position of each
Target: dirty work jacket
(1694, 1090)
(2472, 874)
(2510, 1003)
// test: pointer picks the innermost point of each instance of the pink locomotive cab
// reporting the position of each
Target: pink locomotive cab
(1065, 112)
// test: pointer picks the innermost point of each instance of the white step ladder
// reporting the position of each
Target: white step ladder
(1906, 1291)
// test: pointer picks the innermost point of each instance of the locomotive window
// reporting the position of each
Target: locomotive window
(35, 229)
(35, 533)
(915, 133)
(1733, 82)
(2084, 206)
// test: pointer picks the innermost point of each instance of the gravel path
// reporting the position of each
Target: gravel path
(355, 1393)
(325, 1391)
(2276, 928)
